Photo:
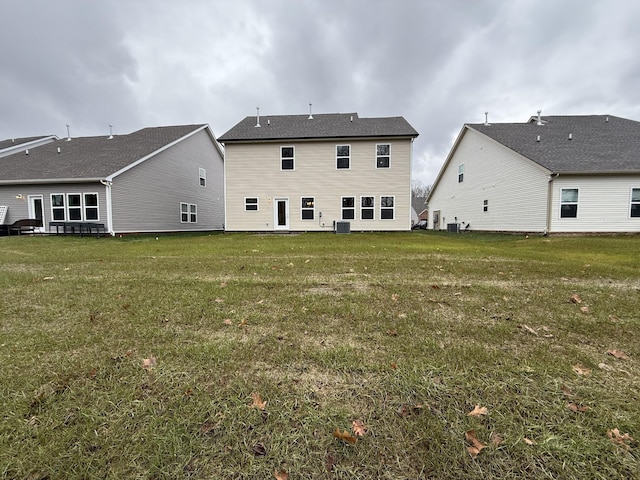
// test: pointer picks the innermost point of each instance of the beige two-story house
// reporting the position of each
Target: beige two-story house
(318, 172)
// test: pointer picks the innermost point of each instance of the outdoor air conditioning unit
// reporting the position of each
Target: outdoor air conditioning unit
(453, 227)
(342, 227)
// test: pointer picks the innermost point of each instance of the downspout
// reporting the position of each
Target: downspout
(107, 184)
(552, 177)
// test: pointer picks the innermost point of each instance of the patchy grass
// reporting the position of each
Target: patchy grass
(405, 332)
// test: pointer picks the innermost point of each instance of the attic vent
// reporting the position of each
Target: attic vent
(68, 134)
(539, 117)
(310, 113)
(110, 131)
(257, 117)
(486, 118)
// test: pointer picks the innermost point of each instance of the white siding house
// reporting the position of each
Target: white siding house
(556, 174)
(306, 173)
(160, 179)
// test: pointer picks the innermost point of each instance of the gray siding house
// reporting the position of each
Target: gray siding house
(159, 179)
(313, 172)
(551, 174)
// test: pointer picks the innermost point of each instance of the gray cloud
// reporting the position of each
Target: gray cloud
(438, 64)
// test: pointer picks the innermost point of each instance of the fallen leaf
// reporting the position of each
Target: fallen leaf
(622, 440)
(566, 391)
(476, 445)
(574, 407)
(584, 309)
(392, 333)
(208, 427)
(257, 401)
(93, 372)
(219, 300)
(149, 363)
(575, 298)
(394, 365)
(495, 439)
(345, 436)
(478, 411)
(359, 428)
(528, 329)
(604, 366)
(435, 287)
(394, 297)
(227, 321)
(406, 410)
(618, 354)
(580, 370)
(528, 442)
(281, 475)
(259, 449)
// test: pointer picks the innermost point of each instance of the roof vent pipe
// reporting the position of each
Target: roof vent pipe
(257, 116)
(486, 118)
(58, 149)
(539, 117)
(26, 152)
(110, 131)
(268, 121)
(606, 119)
(310, 114)
(352, 118)
(68, 134)
(538, 138)
(571, 136)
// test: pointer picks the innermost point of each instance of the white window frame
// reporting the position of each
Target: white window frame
(62, 208)
(633, 202)
(352, 208)
(248, 204)
(188, 212)
(304, 208)
(202, 173)
(86, 207)
(372, 208)
(392, 208)
(387, 156)
(74, 207)
(576, 203)
(292, 158)
(342, 157)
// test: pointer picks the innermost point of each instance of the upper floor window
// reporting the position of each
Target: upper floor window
(635, 202)
(307, 208)
(203, 177)
(569, 203)
(348, 208)
(485, 205)
(287, 158)
(461, 173)
(250, 204)
(343, 156)
(387, 208)
(367, 204)
(383, 155)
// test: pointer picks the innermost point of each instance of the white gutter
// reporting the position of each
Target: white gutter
(552, 177)
(107, 190)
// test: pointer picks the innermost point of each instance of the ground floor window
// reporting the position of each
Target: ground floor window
(569, 203)
(367, 204)
(250, 204)
(348, 208)
(188, 213)
(635, 202)
(387, 208)
(307, 208)
(74, 207)
(58, 211)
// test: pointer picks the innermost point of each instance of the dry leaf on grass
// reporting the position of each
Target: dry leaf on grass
(528, 329)
(359, 428)
(495, 439)
(259, 450)
(257, 401)
(227, 321)
(345, 436)
(574, 407)
(621, 440)
(584, 309)
(580, 370)
(281, 475)
(394, 297)
(476, 445)
(528, 441)
(478, 411)
(566, 391)
(618, 354)
(149, 363)
(575, 298)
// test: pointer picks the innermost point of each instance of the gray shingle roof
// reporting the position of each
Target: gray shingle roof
(14, 142)
(88, 157)
(599, 143)
(328, 125)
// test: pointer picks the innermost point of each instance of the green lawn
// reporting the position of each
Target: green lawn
(139, 357)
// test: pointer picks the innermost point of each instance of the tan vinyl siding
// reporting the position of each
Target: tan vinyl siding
(253, 170)
(515, 188)
(147, 197)
(603, 204)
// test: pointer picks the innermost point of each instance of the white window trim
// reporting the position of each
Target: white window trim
(257, 204)
(373, 207)
(342, 208)
(84, 206)
(63, 208)
(80, 207)
(576, 203)
(313, 209)
(292, 158)
(388, 208)
(377, 144)
(349, 156)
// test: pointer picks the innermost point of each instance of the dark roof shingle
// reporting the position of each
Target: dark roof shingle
(88, 157)
(573, 144)
(328, 125)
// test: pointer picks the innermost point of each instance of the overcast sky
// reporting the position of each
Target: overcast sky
(438, 63)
